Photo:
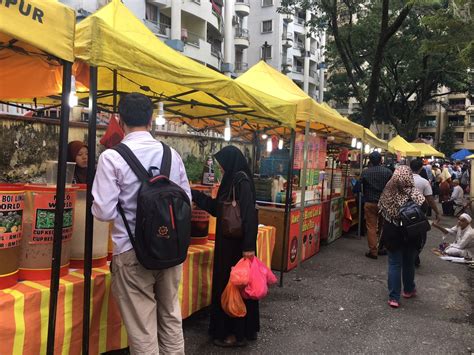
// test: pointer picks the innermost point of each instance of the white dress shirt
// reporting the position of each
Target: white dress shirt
(115, 181)
(458, 195)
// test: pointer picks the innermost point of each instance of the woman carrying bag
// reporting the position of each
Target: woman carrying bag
(402, 246)
(236, 196)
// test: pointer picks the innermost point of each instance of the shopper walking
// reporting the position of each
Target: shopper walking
(424, 187)
(148, 299)
(402, 250)
(227, 331)
(374, 179)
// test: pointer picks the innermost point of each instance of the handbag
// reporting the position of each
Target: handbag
(413, 220)
(231, 221)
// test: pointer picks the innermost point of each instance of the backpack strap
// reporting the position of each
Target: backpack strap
(132, 161)
(165, 168)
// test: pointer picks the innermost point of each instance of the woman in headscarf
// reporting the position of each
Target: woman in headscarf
(401, 251)
(227, 331)
(77, 152)
(445, 186)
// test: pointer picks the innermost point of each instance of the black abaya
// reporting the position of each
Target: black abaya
(229, 251)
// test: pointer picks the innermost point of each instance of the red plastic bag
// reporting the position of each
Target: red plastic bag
(232, 302)
(240, 273)
(260, 277)
(113, 135)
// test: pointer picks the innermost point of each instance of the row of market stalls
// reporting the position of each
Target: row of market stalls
(44, 56)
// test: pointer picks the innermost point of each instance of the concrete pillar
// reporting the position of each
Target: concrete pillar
(176, 20)
(307, 48)
(227, 66)
(245, 24)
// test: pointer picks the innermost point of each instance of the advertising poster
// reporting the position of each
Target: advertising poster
(310, 235)
(43, 212)
(335, 219)
(11, 219)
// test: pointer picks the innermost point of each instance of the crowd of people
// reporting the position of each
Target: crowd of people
(387, 191)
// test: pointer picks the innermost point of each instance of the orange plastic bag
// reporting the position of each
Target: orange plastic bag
(240, 273)
(232, 302)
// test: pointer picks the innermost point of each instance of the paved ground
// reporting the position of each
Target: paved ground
(336, 302)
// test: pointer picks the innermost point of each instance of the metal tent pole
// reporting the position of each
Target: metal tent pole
(359, 227)
(114, 89)
(289, 193)
(303, 179)
(89, 231)
(59, 209)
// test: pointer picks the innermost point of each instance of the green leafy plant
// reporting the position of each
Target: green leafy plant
(193, 168)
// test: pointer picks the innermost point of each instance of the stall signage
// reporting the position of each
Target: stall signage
(43, 223)
(310, 234)
(11, 219)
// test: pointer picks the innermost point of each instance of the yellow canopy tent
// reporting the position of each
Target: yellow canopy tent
(31, 46)
(114, 39)
(266, 79)
(371, 139)
(399, 144)
(427, 150)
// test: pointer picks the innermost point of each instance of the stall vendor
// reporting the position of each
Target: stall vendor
(77, 153)
(463, 245)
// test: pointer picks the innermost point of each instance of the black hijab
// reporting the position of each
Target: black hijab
(232, 161)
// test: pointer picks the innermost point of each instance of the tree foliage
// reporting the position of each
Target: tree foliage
(447, 141)
(392, 56)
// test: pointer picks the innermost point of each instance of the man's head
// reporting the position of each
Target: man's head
(135, 111)
(416, 165)
(375, 158)
(464, 220)
(455, 182)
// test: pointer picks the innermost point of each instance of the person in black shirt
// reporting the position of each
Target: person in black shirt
(374, 180)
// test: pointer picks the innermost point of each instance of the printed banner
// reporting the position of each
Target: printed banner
(11, 218)
(43, 223)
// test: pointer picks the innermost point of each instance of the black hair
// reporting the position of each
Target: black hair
(416, 165)
(375, 158)
(135, 109)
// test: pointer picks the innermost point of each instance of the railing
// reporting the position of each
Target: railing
(241, 66)
(192, 39)
(216, 51)
(298, 69)
(298, 45)
(456, 123)
(160, 29)
(313, 50)
(431, 108)
(428, 124)
(242, 33)
(457, 107)
(299, 20)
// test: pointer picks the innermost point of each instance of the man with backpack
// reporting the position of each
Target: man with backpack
(141, 185)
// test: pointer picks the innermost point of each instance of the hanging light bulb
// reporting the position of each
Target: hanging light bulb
(280, 144)
(227, 132)
(269, 145)
(367, 149)
(359, 145)
(264, 136)
(73, 99)
(354, 142)
(160, 119)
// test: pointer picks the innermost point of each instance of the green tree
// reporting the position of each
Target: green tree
(446, 144)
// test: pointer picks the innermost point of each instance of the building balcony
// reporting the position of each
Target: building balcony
(160, 3)
(297, 74)
(200, 50)
(299, 20)
(242, 7)
(287, 40)
(216, 51)
(299, 46)
(240, 67)
(457, 107)
(241, 40)
(159, 29)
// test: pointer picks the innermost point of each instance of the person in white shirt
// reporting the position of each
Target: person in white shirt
(463, 245)
(148, 299)
(423, 185)
(457, 196)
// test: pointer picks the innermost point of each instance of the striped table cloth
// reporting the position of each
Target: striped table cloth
(24, 308)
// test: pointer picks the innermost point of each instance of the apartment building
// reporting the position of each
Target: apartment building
(212, 32)
(286, 44)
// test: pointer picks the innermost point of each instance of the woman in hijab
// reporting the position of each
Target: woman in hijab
(401, 251)
(77, 153)
(445, 192)
(227, 331)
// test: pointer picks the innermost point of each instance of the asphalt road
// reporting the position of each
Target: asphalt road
(336, 302)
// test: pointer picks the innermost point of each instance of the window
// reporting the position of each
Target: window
(471, 136)
(267, 52)
(267, 26)
(266, 3)
(151, 13)
(459, 137)
(456, 121)
(471, 118)
(428, 121)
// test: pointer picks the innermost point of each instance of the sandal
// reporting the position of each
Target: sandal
(227, 343)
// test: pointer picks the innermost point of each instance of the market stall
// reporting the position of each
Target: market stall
(428, 150)
(23, 315)
(403, 148)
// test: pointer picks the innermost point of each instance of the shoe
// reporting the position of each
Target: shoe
(371, 256)
(409, 294)
(382, 252)
(393, 303)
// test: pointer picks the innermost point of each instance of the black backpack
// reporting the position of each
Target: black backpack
(413, 219)
(163, 220)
